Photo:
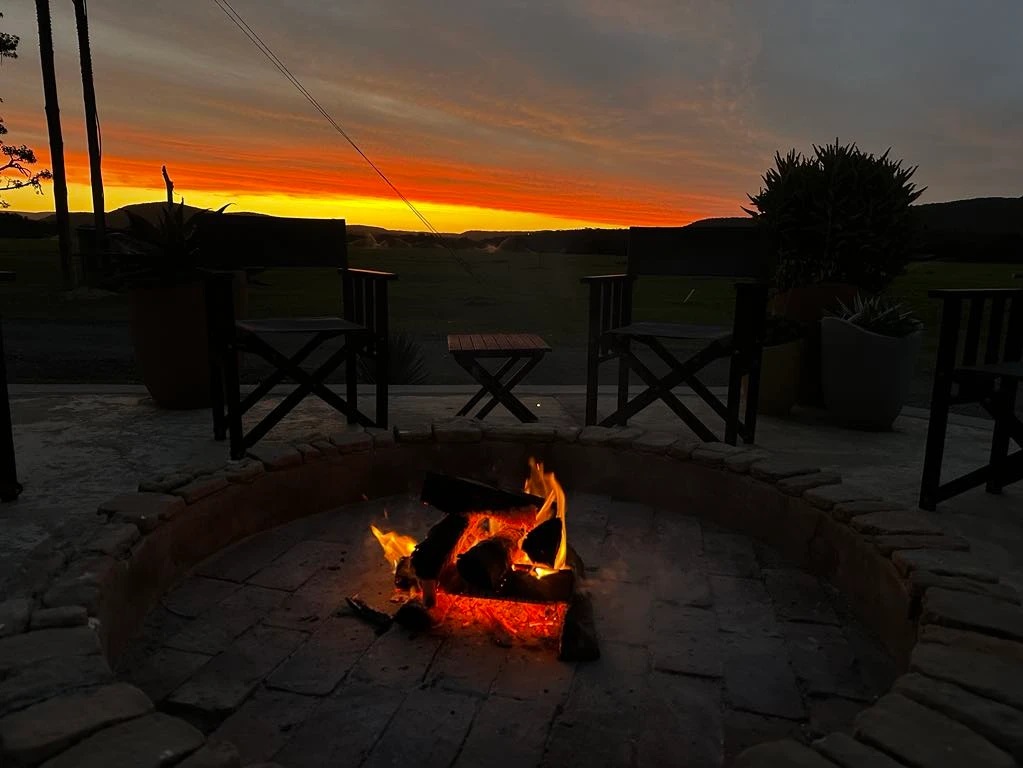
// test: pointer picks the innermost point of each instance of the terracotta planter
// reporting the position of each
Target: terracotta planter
(866, 376)
(169, 334)
(780, 370)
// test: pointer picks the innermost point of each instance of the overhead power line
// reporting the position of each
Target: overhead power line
(279, 65)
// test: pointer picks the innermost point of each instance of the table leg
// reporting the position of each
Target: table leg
(10, 488)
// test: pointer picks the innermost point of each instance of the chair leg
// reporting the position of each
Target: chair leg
(623, 379)
(233, 396)
(1005, 402)
(383, 377)
(10, 488)
(735, 369)
(592, 382)
(217, 394)
(753, 395)
(352, 380)
(934, 452)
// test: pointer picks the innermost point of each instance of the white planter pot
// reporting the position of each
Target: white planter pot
(866, 376)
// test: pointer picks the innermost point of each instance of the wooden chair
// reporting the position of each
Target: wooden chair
(985, 366)
(682, 251)
(10, 488)
(234, 242)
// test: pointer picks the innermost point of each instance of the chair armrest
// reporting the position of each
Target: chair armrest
(369, 274)
(605, 278)
(946, 294)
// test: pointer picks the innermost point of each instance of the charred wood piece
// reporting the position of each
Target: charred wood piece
(486, 564)
(459, 495)
(579, 634)
(361, 609)
(554, 588)
(414, 616)
(542, 543)
(404, 574)
(432, 552)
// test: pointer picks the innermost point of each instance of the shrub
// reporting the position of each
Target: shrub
(840, 216)
(407, 365)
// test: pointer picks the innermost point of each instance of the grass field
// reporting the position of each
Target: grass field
(435, 294)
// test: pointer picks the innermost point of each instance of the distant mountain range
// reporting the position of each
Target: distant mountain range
(978, 229)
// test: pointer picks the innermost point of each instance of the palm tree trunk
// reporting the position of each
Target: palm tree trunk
(56, 139)
(91, 123)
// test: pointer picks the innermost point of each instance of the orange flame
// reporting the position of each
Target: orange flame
(395, 545)
(546, 485)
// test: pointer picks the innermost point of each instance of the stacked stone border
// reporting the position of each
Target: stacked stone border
(954, 629)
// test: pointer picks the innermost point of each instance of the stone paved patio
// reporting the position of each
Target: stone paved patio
(711, 643)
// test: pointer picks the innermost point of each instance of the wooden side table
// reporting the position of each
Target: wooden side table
(10, 488)
(524, 350)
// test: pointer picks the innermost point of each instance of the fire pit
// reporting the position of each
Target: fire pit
(497, 559)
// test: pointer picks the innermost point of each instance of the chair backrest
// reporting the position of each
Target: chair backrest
(980, 326)
(705, 251)
(240, 240)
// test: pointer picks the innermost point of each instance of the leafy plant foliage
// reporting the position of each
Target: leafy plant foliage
(407, 365)
(840, 216)
(879, 314)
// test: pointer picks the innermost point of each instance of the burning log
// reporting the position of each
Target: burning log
(414, 616)
(459, 495)
(554, 588)
(579, 634)
(485, 565)
(542, 543)
(378, 619)
(432, 552)
(404, 574)
(429, 593)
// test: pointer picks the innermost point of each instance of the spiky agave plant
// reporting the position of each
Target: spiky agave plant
(406, 363)
(879, 314)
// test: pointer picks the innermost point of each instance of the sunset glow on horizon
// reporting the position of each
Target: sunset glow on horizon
(524, 116)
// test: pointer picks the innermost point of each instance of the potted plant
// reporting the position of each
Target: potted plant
(868, 353)
(161, 270)
(840, 223)
(780, 367)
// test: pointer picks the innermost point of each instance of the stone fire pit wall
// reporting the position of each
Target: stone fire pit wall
(945, 618)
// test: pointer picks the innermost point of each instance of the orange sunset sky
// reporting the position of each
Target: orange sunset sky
(522, 114)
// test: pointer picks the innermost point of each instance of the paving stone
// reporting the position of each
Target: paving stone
(430, 725)
(352, 442)
(800, 484)
(654, 442)
(896, 521)
(292, 569)
(682, 716)
(32, 647)
(215, 630)
(888, 544)
(741, 462)
(998, 723)
(153, 741)
(507, 733)
(685, 641)
(729, 554)
(996, 677)
(683, 448)
(827, 496)
(787, 754)
(622, 610)
(829, 714)
(798, 596)
(609, 694)
(920, 736)
(41, 731)
(466, 664)
(200, 488)
(775, 469)
(325, 447)
(624, 437)
(213, 754)
(308, 607)
(689, 588)
(876, 666)
(112, 539)
(743, 730)
(588, 745)
(162, 671)
(593, 435)
(396, 660)
(743, 606)
(845, 751)
(414, 434)
(521, 433)
(769, 557)
(311, 453)
(45, 679)
(276, 456)
(824, 662)
(532, 674)
(922, 580)
(714, 454)
(243, 471)
(65, 616)
(845, 511)
(245, 558)
(970, 641)
(759, 678)
(14, 616)
(83, 582)
(943, 563)
(143, 510)
(342, 729)
(382, 438)
(320, 663)
(458, 431)
(164, 483)
(221, 685)
(961, 610)
(197, 594)
(264, 723)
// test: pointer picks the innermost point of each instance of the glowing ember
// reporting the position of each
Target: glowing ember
(395, 545)
(522, 621)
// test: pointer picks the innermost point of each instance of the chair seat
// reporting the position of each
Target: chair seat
(1009, 370)
(335, 325)
(674, 331)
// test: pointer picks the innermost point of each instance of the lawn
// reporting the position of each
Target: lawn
(436, 294)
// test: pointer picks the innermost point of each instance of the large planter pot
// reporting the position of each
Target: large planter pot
(780, 371)
(866, 376)
(169, 334)
(806, 305)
